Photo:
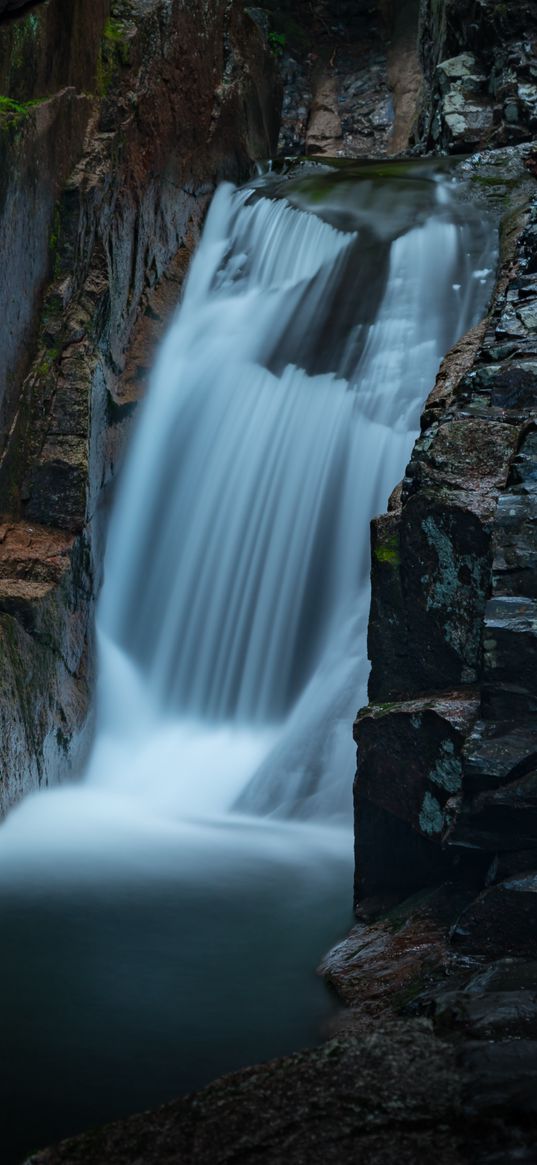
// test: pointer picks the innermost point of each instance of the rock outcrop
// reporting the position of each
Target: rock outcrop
(445, 789)
(481, 81)
(451, 630)
(351, 75)
(107, 160)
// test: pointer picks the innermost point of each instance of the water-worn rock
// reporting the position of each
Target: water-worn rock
(384, 965)
(391, 1098)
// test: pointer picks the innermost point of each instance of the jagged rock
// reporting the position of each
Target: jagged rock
(471, 455)
(501, 921)
(504, 975)
(324, 131)
(496, 752)
(501, 819)
(484, 56)
(410, 769)
(511, 641)
(463, 68)
(426, 637)
(383, 966)
(496, 1015)
(415, 786)
(509, 864)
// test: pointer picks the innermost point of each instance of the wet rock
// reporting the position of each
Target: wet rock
(470, 455)
(496, 752)
(504, 975)
(466, 127)
(508, 864)
(382, 967)
(462, 118)
(429, 592)
(501, 921)
(337, 90)
(511, 641)
(463, 68)
(45, 588)
(411, 759)
(496, 1015)
(515, 544)
(337, 1103)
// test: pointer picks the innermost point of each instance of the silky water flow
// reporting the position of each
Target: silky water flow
(163, 918)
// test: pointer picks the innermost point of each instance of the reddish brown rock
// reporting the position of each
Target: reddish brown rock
(383, 966)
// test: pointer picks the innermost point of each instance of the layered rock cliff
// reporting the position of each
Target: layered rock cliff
(447, 744)
(115, 123)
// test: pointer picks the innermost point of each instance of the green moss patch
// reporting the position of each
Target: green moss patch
(388, 552)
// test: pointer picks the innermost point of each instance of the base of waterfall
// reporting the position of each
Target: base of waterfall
(144, 954)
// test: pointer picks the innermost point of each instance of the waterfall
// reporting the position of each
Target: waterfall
(236, 579)
(171, 906)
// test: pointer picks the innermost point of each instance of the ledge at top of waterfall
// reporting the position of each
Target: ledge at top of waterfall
(282, 411)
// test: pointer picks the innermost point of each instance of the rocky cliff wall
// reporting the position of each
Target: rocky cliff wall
(108, 161)
(452, 558)
(480, 79)
(449, 733)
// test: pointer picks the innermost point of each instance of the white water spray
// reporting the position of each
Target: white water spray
(233, 616)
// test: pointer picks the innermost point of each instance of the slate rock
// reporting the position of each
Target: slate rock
(501, 921)
(410, 761)
(510, 641)
(495, 752)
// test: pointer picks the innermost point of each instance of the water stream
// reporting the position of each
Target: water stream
(162, 920)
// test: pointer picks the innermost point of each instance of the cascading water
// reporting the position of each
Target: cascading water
(282, 411)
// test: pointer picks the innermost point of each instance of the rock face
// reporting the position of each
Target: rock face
(446, 784)
(479, 61)
(351, 74)
(451, 631)
(106, 165)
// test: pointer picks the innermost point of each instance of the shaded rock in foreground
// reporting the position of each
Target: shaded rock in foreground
(393, 1096)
